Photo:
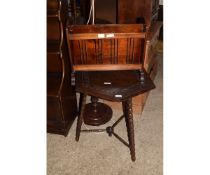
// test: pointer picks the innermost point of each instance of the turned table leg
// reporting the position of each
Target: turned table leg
(80, 117)
(127, 109)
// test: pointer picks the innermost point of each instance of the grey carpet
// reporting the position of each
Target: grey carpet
(98, 154)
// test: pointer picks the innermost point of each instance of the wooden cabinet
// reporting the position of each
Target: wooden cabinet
(137, 11)
(123, 11)
(61, 97)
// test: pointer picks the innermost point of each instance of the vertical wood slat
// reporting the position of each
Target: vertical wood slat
(115, 51)
(83, 51)
(127, 57)
(85, 43)
(96, 50)
(128, 49)
(133, 50)
(101, 51)
(111, 51)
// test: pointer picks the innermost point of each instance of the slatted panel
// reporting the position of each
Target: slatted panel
(112, 51)
(106, 48)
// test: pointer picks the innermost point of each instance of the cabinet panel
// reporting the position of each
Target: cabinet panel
(53, 30)
(53, 63)
(61, 97)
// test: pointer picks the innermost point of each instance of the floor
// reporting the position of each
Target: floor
(98, 154)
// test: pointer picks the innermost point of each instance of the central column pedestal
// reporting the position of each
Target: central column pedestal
(97, 113)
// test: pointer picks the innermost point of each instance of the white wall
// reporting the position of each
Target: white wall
(161, 2)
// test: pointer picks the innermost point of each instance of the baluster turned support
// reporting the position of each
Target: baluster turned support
(73, 79)
(80, 117)
(94, 101)
(127, 109)
(142, 76)
(97, 113)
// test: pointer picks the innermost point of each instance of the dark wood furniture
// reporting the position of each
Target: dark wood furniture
(129, 12)
(58, 90)
(138, 11)
(107, 63)
(124, 11)
(61, 98)
(145, 12)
